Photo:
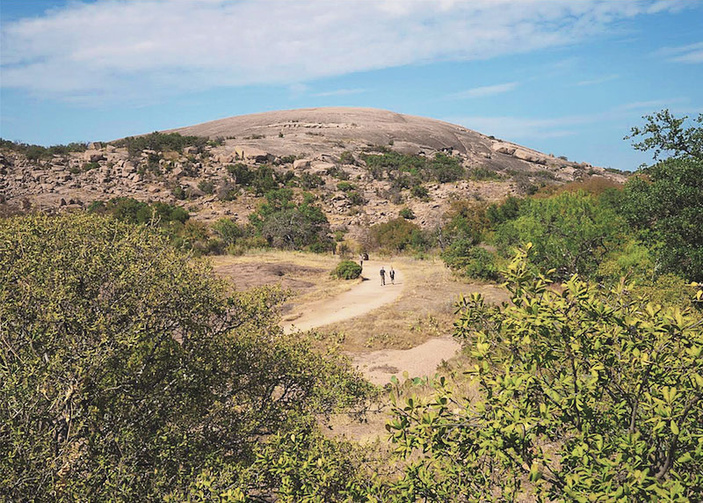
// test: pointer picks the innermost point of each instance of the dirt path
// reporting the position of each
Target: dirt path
(361, 299)
(377, 366)
(423, 360)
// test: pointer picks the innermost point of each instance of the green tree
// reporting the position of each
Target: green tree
(127, 371)
(665, 132)
(571, 232)
(583, 396)
(284, 223)
(398, 234)
(665, 201)
(228, 230)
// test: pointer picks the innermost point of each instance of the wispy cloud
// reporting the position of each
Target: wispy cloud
(651, 105)
(484, 91)
(339, 92)
(692, 53)
(530, 128)
(523, 128)
(115, 49)
(598, 81)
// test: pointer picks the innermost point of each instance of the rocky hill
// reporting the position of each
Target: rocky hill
(310, 149)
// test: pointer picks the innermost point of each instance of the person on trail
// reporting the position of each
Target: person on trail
(391, 273)
(382, 272)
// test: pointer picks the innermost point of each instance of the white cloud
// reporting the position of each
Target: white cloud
(692, 53)
(521, 128)
(484, 91)
(525, 128)
(649, 106)
(120, 48)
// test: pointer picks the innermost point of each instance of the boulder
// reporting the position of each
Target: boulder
(503, 148)
(301, 164)
(321, 166)
(529, 156)
(93, 156)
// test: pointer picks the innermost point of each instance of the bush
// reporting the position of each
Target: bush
(471, 261)
(398, 235)
(583, 395)
(346, 269)
(346, 186)
(407, 214)
(206, 186)
(310, 181)
(228, 230)
(571, 232)
(355, 198)
(420, 192)
(128, 370)
(287, 224)
(481, 264)
(161, 142)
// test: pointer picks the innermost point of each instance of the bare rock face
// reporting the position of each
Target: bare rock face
(329, 143)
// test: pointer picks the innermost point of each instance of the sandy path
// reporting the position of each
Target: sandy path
(377, 366)
(423, 360)
(362, 298)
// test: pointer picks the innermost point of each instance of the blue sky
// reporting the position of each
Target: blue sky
(568, 77)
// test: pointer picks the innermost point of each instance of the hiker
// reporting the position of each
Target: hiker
(391, 273)
(383, 276)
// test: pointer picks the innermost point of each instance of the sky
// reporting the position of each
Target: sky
(566, 77)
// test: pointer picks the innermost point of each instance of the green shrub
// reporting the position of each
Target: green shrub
(407, 214)
(88, 166)
(347, 157)
(288, 224)
(206, 186)
(129, 371)
(398, 235)
(482, 174)
(571, 232)
(346, 186)
(470, 260)
(481, 264)
(161, 142)
(346, 269)
(583, 395)
(310, 181)
(355, 198)
(179, 192)
(228, 230)
(420, 192)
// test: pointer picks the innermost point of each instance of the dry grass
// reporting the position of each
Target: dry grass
(425, 309)
(306, 275)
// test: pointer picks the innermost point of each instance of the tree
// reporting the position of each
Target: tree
(397, 235)
(664, 132)
(127, 371)
(583, 396)
(571, 232)
(665, 201)
(287, 224)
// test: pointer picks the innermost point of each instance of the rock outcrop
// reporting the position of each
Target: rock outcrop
(328, 143)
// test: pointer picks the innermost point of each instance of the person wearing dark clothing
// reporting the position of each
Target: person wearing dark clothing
(391, 273)
(382, 272)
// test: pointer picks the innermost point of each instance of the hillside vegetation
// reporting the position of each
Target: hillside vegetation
(129, 372)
